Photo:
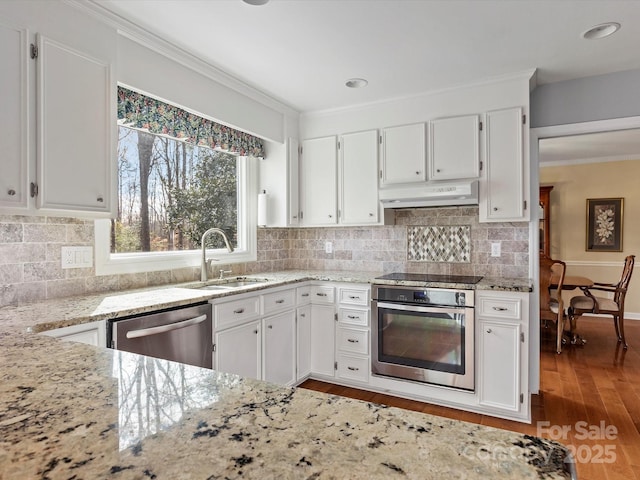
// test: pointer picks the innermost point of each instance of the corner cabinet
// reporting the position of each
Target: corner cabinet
(504, 184)
(340, 189)
(75, 124)
(502, 336)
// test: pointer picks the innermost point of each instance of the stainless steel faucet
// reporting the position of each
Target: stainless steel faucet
(203, 271)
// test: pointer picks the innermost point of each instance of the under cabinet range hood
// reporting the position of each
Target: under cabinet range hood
(445, 194)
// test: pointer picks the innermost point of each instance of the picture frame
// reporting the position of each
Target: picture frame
(604, 224)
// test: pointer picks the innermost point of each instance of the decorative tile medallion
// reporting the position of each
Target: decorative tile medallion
(439, 244)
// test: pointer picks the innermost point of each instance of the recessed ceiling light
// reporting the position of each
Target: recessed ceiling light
(255, 2)
(356, 83)
(601, 31)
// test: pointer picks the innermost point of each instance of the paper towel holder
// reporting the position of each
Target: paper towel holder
(262, 209)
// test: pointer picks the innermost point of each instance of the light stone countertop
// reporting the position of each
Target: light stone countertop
(69, 410)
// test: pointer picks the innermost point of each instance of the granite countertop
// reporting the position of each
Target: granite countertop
(57, 313)
(69, 410)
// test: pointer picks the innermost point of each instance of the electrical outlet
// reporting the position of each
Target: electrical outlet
(76, 257)
(328, 247)
(495, 249)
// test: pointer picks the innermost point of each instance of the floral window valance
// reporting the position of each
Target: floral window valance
(139, 111)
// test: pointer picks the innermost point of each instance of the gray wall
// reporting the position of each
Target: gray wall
(602, 97)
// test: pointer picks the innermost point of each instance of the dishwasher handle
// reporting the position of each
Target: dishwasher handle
(145, 332)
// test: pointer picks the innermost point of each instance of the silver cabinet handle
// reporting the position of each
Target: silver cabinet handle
(352, 340)
(304, 295)
(495, 209)
(489, 330)
(302, 315)
(353, 317)
(280, 301)
(371, 214)
(499, 309)
(11, 192)
(330, 216)
(240, 310)
(354, 297)
(321, 294)
(353, 369)
(100, 199)
(255, 331)
(438, 170)
(270, 326)
(145, 332)
(418, 172)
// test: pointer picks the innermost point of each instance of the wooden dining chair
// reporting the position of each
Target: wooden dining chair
(551, 304)
(597, 305)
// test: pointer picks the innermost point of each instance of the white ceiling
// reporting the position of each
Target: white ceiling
(301, 52)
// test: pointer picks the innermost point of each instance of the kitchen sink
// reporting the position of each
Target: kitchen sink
(231, 284)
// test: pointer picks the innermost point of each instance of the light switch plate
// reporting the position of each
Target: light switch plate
(495, 249)
(328, 247)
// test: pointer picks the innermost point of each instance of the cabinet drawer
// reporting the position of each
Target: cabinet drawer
(276, 301)
(235, 312)
(353, 341)
(353, 367)
(500, 307)
(354, 296)
(354, 316)
(303, 295)
(322, 294)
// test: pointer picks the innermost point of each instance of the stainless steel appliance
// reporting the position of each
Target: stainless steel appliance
(425, 334)
(182, 335)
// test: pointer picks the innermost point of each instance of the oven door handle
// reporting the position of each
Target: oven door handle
(145, 332)
(418, 308)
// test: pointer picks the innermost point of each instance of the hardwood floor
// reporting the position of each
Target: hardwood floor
(592, 392)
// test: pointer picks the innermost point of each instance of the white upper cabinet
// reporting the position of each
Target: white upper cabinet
(14, 160)
(503, 186)
(319, 181)
(75, 127)
(404, 155)
(454, 147)
(293, 163)
(359, 178)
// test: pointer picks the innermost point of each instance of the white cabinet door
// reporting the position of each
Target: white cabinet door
(93, 333)
(404, 155)
(454, 146)
(323, 340)
(293, 159)
(503, 187)
(499, 364)
(359, 178)
(319, 181)
(278, 353)
(303, 342)
(75, 124)
(238, 350)
(14, 81)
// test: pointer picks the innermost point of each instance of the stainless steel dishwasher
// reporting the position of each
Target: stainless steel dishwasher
(182, 335)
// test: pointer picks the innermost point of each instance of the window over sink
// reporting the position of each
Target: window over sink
(179, 174)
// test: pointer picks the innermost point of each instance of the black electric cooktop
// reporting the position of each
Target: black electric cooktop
(431, 277)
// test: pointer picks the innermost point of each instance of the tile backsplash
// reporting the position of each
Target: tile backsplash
(431, 240)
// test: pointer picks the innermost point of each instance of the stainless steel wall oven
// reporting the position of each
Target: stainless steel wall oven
(424, 334)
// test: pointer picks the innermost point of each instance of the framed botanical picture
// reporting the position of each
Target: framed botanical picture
(604, 224)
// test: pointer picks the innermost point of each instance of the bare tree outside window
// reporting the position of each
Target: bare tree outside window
(171, 191)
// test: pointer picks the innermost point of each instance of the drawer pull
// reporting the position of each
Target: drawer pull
(352, 340)
(240, 310)
(353, 369)
(500, 309)
(255, 331)
(11, 192)
(489, 330)
(321, 294)
(354, 297)
(304, 295)
(302, 315)
(270, 326)
(353, 317)
(280, 301)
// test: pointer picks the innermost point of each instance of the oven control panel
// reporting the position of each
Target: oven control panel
(426, 296)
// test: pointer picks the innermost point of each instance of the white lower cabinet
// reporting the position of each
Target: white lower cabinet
(323, 340)
(502, 353)
(279, 348)
(94, 333)
(238, 350)
(303, 342)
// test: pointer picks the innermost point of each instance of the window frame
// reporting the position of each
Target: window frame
(107, 263)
